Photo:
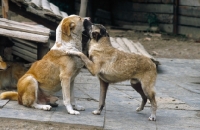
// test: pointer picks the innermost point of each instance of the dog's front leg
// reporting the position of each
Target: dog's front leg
(91, 66)
(73, 101)
(65, 83)
(102, 96)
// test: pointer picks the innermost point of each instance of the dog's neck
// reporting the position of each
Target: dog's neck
(64, 42)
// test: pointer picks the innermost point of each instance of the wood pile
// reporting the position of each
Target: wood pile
(27, 39)
(129, 46)
(42, 8)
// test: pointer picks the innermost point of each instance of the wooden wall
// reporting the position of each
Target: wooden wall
(135, 12)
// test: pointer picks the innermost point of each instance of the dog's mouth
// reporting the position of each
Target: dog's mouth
(87, 25)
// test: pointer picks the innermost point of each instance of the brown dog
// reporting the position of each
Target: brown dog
(54, 71)
(10, 73)
(112, 65)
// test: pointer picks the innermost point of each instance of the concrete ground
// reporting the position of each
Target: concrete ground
(178, 98)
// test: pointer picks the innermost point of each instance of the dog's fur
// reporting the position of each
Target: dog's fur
(54, 71)
(112, 65)
(10, 73)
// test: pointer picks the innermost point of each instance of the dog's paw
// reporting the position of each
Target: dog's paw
(46, 107)
(138, 109)
(152, 118)
(96, 112)
(79, 108)
(73, 112)
(73, 53)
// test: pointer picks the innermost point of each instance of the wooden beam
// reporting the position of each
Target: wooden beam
(24, 35)
(5, 9)
(24, 56)
(83, 8)
(47, 21)
(189, 11)
(138, 7)
(12, 25)
(141, 16)
(191, 21)
(189, 31)
(190, 2)
(24, 52)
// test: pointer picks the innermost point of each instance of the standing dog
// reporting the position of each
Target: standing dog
(54, 71)
(112, 65)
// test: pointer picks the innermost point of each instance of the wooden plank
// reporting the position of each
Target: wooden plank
(189, 31)
(20, 45)
(25, 52)
(154, 1)
(64, 14)
(192, 21)
(190, 2)
(83, 8)
(55, 10)
(141, 16)
(142, 50)
(129, 44)
(24, 56)
(24, 35)
(36, 4)
(46, 6)
(189, 11)
(5, 8)
(122, 44)
(115, 44)
(33, 28)
(137, 7)
(31, 44)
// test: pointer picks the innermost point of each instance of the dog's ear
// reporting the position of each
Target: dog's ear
(67, 26)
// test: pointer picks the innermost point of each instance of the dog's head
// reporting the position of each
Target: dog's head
(72, 24)
(94, 31)
(3, 65)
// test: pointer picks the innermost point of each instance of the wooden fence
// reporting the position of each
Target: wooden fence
(173, 16)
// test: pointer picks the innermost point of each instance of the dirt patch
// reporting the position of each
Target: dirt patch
(162, 45)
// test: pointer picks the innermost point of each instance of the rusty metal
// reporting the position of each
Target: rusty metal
(175, 23)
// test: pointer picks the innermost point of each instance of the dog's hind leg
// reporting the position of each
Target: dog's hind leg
(137, 86)
(102, 97)
(148, 83)
(30, 96)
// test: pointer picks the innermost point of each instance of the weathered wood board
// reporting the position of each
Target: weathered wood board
(192, 21)
(126, 45)
(189, 11)
(189, 31)
(137, 7)
(189, 2)
(141, 16)
(12, 25)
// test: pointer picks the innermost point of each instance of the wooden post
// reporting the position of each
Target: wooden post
(176, 6)
(5, 9)
(83, 8)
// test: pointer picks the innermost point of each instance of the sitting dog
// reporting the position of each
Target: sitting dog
(54, 71)
(112, 65)
(10, 73)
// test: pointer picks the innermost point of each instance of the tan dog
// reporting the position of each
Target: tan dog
(54, 71)
(112, 65)
(10, 73)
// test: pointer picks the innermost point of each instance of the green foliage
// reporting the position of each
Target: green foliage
(152, 19)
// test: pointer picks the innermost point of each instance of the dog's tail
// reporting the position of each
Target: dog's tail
(9, 95)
